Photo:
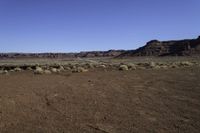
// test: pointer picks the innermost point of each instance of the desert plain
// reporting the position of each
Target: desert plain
(100, 95)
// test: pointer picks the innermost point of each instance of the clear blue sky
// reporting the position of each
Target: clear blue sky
(83, 25)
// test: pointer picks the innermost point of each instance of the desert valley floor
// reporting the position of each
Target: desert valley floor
(101, 101)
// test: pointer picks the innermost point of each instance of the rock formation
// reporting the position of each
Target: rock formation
(167, 48)
(152, 48)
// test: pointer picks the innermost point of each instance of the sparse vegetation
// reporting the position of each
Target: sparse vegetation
(123, 67)
(80, 66)
(38, 70)
(131, 66)
(54, 70)
(17, 69)
(104, 82)
(3, 72)
(47, 72)
(79, 70)
(61, 68)
(29, 69)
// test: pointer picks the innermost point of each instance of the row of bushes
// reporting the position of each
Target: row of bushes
(84, 67)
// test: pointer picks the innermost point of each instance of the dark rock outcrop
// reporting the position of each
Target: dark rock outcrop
(167, 48)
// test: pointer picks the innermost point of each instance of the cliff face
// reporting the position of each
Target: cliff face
(167, 48)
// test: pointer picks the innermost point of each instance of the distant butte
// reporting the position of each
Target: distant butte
(187, 47)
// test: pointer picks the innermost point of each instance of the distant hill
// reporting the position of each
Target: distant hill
(152, 48)
(166, 48)
(89, 54)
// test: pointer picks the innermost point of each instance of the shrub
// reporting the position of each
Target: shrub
(79, 70)
(47, 71)
(152, 64)
(123, 67)
(186, 63)
(67, 68)
(54, 70)
(61, 68)
(38, 70)
(102, 66)
(3, 72)
(131, 66)
(29, 68)
(17, 69)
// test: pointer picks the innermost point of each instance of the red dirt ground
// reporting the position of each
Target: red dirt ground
(141, 101)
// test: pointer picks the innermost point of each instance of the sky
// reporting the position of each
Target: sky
(87, 25)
